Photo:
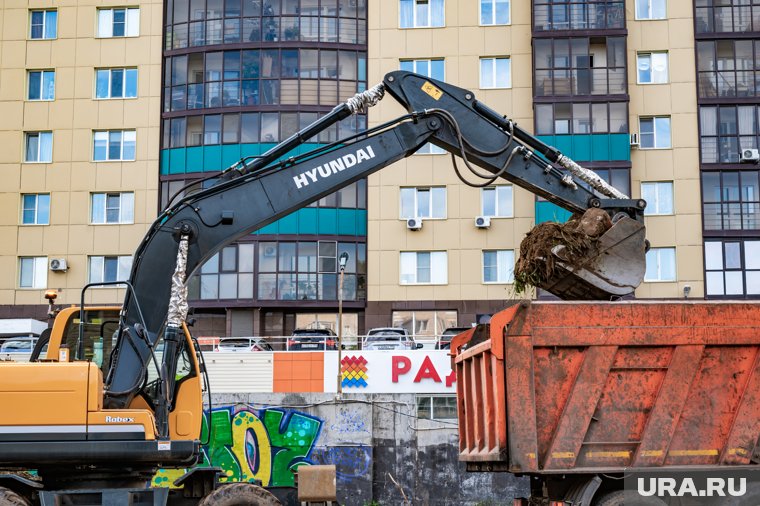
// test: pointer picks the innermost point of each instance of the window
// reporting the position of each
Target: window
(578, 14)
(112, 208)
(723, 16)
(437, 407)
(109, 268)
(119, 22)
(498, 266)
(726, 130)
(424, 268)
(731, 200)
(494, 12)
(727, 68)
(652, 67)
(581, 118)
(659, 197)
(650, 9)
(226, 275)
(423, 203)
(421, 13)
(115, 83)
(661, 264)
(35, 209)
(580, 66)
(39, 147)
(495, 73)
(41, 85)
(428, 68)
(43, 24)
(654, 133)
(496, 201)
(114, 145)
(32, 272)
(422, 324)
(732, 268)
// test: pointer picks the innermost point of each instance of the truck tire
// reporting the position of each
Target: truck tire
(10, 498)
(239, 494)
(627, 498)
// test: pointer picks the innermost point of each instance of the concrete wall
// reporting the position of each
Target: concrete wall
(370, 438)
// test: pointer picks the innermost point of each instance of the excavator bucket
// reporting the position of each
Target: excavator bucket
(614, 267)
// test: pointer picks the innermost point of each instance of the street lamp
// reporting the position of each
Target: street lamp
(342, 261)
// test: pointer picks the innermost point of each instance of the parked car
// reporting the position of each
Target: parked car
(390, 338)
(18, 345)
(313, 339)
(445, 342)
(243, 344)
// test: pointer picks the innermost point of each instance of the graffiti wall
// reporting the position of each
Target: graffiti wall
(254, 445)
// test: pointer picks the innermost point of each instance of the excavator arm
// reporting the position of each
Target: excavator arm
(253, 194)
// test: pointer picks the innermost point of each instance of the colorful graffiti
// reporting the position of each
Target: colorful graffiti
(353, 371)
(265, 445)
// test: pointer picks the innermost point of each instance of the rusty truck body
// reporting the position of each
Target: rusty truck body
(576, 395)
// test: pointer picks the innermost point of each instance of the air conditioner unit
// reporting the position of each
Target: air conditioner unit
(483, 221)
(634, 139)
(414, 223)
(58, 264)
(750, 156)
(270, 251)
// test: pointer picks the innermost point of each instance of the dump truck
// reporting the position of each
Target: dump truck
(580, 396)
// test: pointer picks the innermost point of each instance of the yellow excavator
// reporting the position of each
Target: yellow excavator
(119, 391)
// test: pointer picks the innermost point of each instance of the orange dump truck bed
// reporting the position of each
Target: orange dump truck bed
(600, 386)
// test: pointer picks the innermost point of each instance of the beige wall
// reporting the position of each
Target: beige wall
(72, 117)
(461, 43)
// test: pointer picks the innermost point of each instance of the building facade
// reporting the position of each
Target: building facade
(611, 83)
(238, 78)
(79, 98)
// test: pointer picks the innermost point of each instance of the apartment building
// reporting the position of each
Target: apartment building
(240, 77)
(79, 102)
(611, 83)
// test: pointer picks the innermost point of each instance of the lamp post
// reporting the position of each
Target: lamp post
(342, 261)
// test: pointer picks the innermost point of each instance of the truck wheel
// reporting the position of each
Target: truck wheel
(10, 498)
(627, 498)
(239, 494)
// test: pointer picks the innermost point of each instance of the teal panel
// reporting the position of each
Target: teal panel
(212, 158)
(164, 164)
(581, 147)
(288, 224)
(620, 147)
(361, 222)
(565, 144)
(347, 221)
(327, 221)
(307, 220)
(230, 154)
(177, 161)
(271, 229)
(546, 211)
(194, 161)
(600, 147)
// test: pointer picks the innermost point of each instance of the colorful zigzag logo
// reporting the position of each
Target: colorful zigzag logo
(353, 371)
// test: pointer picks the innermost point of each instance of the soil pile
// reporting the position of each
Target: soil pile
(578, 235)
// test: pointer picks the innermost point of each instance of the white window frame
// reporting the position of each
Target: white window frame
(510, 213)
(36, 209)
(493, 60)
(649, 14)
(439, 279)
(657, 252)
(123, 269)
(431, 206)
(126, 208)
(42, 84)
(718, 275)
(654, 206)
(654, 130)
(44, 24)
(415, 23)
(39, 267)
(506, 255)
(493, 15)
(121, 148)
(27, 136)
(110, 83)
(128, 26)
(432, 405)
(650, 55)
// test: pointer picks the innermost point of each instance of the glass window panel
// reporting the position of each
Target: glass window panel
(267, 286)
(267, 257)
(714, 283)
(713, 255)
